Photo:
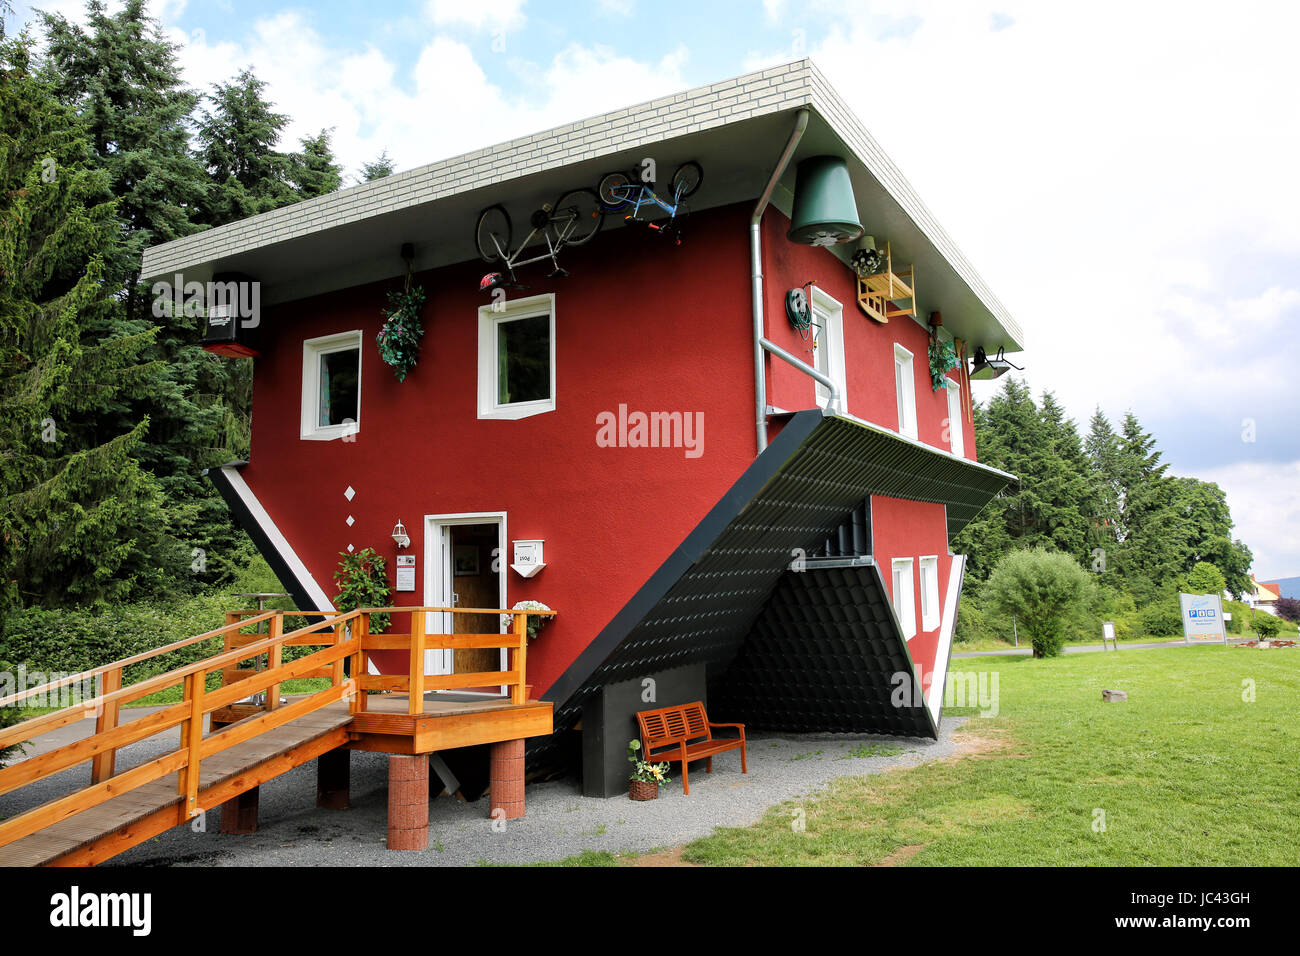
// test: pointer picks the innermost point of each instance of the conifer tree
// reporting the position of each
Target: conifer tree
(80, 520)
(313, 171)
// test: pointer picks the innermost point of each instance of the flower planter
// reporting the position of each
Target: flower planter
(642, 790)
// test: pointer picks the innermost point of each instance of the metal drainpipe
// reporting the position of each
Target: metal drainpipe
(756, 261)
(834, 404)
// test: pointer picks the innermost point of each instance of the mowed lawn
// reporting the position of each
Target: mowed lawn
(1186, 772)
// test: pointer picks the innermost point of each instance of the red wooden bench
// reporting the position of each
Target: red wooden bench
(683, 733)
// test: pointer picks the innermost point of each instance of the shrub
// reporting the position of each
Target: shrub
(1267, 626)
(362, 580)
(1288, 609)
(1045, 590)
(1240, 614)
(1162, 619)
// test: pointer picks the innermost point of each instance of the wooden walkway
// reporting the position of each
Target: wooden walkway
(95, 834)
(260, 735)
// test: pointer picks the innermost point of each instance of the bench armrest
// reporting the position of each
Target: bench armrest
(740, 727)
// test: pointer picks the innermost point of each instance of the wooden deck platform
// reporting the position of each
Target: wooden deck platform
(253, 735)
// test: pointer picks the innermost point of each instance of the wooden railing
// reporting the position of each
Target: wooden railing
(416, 683)
(186, 761)
(343, 637)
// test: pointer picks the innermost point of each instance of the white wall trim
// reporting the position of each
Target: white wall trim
(939, 677)
(488, 319)
(278, 540)
(312, 350)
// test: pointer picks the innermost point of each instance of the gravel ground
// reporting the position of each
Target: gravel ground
(560, 822)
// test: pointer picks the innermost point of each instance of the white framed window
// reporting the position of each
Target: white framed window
(904, 596)
(929, 592)
(905, 390)
(331, 386)
(828, 357)
(516, 358)
(956, 432)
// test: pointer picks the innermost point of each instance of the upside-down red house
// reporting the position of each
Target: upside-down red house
(724, 431)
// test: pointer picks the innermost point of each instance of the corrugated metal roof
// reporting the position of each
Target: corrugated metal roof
(700, 606)
(825, 655)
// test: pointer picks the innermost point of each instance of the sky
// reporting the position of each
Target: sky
(1123, 174)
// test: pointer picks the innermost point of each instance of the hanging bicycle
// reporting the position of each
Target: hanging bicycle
(572, 221)
(624, 191)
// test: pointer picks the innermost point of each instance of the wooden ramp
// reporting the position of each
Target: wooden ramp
(257, 735)
(96, 834)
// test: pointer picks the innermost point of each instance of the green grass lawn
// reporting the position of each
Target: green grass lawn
(1186, 772)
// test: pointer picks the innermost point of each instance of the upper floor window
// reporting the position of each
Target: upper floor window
(331, 386)
(516, 358)
(904, 597)
(828, 316)
(956, 433)
(905, 390)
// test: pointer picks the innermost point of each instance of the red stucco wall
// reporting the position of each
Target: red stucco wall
(640, 322)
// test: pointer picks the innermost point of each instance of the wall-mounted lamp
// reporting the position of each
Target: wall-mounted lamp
(986, 368)
(400, 535)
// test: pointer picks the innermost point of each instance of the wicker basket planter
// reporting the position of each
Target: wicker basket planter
(642, 790)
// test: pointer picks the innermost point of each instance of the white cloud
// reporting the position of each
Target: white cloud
(444, 105)
(479, 15)
(1265, 501)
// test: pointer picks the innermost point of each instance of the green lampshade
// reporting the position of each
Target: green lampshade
(825, 212)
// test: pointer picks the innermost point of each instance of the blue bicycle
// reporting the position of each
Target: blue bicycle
(626, 192)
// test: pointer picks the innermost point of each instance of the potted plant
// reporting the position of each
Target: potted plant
(535, 624)
(646, 776)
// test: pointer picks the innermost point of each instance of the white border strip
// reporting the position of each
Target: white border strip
(939, 676)
(278, 541)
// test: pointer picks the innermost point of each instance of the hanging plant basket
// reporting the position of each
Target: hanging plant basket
(399, 339)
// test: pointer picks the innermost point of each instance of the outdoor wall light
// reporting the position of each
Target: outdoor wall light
(400, 535)
(986, 368)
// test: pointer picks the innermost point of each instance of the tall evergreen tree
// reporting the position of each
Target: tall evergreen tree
(1102, 448)
(120, 76)
(378, 168)
(1066, 487)
(80, 520)
(237, 142)
(313, 171)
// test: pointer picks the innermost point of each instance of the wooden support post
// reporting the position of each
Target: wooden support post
(191, 739)
(507, 780)
(518, 658)
(408, 802)
(333, 779)
(416, 691)
(360, 663)
(274, 657)
(102, 765)
(238, 814)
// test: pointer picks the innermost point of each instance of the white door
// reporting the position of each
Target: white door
(440, 584)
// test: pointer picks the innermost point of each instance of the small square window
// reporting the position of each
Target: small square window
(331, 386)
(516, 373)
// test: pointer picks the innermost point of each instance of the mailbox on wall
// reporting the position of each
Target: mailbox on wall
(529, 558)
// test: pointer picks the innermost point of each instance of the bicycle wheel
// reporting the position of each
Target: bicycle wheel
(613, 191)
(687, 178)
(577, 217)
(493, 222)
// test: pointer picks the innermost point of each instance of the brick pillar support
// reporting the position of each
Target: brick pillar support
(408, 802)
(333, 779)
(507, 779)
